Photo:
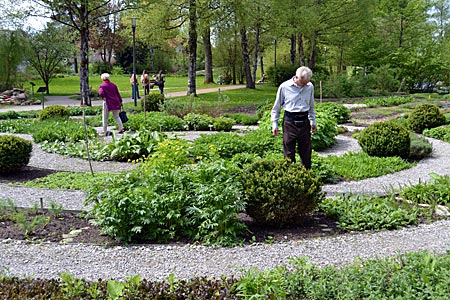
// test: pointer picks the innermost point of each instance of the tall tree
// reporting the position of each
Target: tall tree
(12, 45)
(81, 15)
(47, 49)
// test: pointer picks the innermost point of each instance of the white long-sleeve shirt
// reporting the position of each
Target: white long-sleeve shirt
(294, 98)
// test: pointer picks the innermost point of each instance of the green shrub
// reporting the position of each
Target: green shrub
(199, 122)
(387, 101)
(152, 101)
(243, 119)
(363, 212)
(435, 191)
(178, 107)
(61, 130)
(15, 153)
(88, 110)
(279, 193)
(338, 111)
(10, 114)
(18, 126)
(420, 147)
(223, 124)
(154, 121)
(54, 112)
(261, 142)
(219, 145)
(425, 116)
(441, 133)
(326, 132)
(385, 139)
(281, 73)
(263, 108)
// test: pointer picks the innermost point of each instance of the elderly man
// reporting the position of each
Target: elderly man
(296, 97)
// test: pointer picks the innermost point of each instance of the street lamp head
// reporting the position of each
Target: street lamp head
(133, 22)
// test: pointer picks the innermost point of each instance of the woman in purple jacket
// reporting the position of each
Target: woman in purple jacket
(112, 101)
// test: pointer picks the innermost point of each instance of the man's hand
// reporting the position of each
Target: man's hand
(275, 131)
(313, 128)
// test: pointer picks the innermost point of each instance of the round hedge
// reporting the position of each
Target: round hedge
(15, 153)
(425, 116)
(54, 112)
(384, 139)
(279, 193)
(152, 102)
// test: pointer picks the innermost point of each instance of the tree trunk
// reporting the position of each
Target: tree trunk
(84, 55)
(293, 52)
(209, 78)
(75, 64)
(246, 60)
(261, 64)
(255, 56)
(312, 59)
(301, 50)
(192, 41)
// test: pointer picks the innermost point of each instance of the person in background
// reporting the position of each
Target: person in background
(145, 82)
(160, 80)
(134, 87)
(112, 102)
(296, 97)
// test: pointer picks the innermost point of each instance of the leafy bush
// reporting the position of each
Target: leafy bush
(133, 147)
(54, 112)
(261, 142)
(161, 204)
(88, 110)
(178, 107)
(326, 132)
(10, 114)
(153, 102)
(363, 212)
(263, 108)
(338, 111)
(420, 147)
(77, 149)
(173, 153)
(223, 124)
(15, 153)
(436, 191)
(198, 121)
(385, 139)
(425, 116)
(279, 193)
(441, 133)
(281, 73)
(61, 130)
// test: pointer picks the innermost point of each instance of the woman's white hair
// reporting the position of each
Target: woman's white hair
(104, 76)
(304, 72)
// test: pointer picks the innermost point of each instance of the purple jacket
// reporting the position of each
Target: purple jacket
(110, 93)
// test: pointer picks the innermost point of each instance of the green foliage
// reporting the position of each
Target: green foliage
(322, 168)
(53, 112)
(77, 149)
(359, 165)
(153, 102)
(281, 73)
(154, 121)
(18, 126)
(161, 203)
(385, 139)
(171, 153)
(178, 107)
(362, 212)
(279, 193)
(420, 147)
(223, 124)
(262, 142)
(199, 122)
(436, 191)
(441, 133)
(263, 108)
(9, 115)
(326, 132)
(387, 101)
(52, 130)
(243, 119)
(133, 147)
(88, 110)
(338, 111)
(67, 181)
(15, 153)
(425, 116)
(222, 145)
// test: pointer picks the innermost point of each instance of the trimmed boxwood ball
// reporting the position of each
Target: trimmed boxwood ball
(279, 193)
(152, 102)
(384, 139)
(15, 153)
(425, 116)
(54, 112)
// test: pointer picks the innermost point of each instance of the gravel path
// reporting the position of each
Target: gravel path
(47, 260)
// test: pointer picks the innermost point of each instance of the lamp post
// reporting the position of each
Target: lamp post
(133, 27)
(325, 57)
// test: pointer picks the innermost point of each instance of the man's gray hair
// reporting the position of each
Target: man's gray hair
(304, 72)
(104, 76)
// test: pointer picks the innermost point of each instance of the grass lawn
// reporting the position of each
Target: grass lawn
(70, 85)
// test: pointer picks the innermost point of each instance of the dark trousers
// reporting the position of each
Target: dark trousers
(300, 136)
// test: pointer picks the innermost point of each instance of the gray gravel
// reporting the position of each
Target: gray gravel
(47, 260)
